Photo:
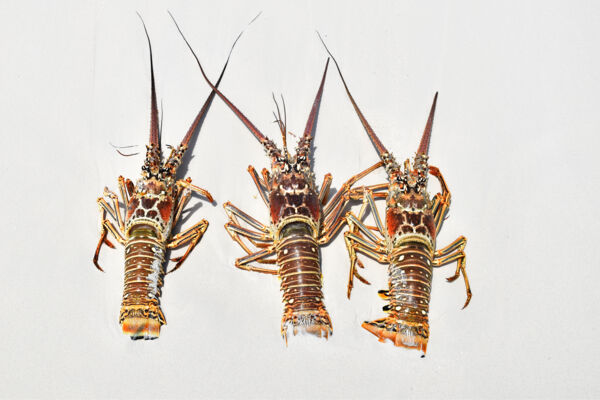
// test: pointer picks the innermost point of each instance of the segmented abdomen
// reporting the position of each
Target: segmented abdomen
(144, 274)
(300, 274)
(409, 275)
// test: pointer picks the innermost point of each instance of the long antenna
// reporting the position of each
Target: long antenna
(261, 138)
(314, 111)
(211, 96)
(374, 139)
(424, 146)
(154, 129)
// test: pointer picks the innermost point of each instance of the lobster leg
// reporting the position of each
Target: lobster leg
(183, 200)
(459, 243)
(236, 231)
(126, 189)
(325, 186)
(455, 252)
(259, 240)
(334, 201)
(355, 223)
(233, 212)
(116, 206)
(441, 201)
(372, 246)
(107, 226)
(334, 221)
(191, 236)
(356, 243)
(187, 183)
(261, 185)
(260, 257)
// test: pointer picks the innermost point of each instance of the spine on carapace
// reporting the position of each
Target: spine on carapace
(300, 274)
(141, 316)
(410, 275)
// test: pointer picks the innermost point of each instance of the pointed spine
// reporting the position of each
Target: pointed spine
(424, 145)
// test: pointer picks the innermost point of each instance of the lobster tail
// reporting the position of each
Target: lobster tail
(141, 316)
(409, 274)
(401, 333)
(300, 273)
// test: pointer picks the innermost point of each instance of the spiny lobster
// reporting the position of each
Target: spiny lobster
(301, 221)
(407, 240)
(153, 208)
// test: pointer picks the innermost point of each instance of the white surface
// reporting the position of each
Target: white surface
(515, 135)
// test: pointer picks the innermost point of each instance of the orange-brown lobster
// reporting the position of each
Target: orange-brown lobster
(301, 221)
(153, 208)
(406, 241)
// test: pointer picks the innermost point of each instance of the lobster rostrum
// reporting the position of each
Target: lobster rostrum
(153, 206)
(301, 220)
(406, 240)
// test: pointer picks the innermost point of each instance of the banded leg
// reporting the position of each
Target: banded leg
(187, 183)
(346, 186)
(259, 240)
(260, 184)
(355, 239)
(372, 246)
(190, 236)
(357, 243)
(236, 231)
(451, 253)
(117, 209)
(126, 189)
(325, 186)
(334, 221)
(441, 201)
(184, 198)
(233, 213)
(260, 257)
(105, 228)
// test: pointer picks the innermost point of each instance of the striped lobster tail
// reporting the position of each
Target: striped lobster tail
(409, 275)
(141, 316)
(300, 275)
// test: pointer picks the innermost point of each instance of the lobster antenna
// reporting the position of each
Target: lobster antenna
(381, 150)
(424, 145)
(257, 134)
(284, 122)
(162, 118)
(211, 96)
(312, 118)
(282, 126)
(154, 129)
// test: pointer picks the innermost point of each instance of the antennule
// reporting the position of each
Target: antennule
(281, 124)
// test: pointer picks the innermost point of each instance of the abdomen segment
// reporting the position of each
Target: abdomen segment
(141, 316)
(409, 275)
(300, 274)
